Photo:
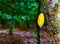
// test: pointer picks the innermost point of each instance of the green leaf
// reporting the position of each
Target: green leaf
(0, 13)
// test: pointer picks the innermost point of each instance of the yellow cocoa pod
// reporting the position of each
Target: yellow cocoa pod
(41, 20)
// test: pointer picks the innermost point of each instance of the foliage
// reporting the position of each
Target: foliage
(22, 12)
(10, 30)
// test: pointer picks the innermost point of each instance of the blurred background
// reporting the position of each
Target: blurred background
(18, 21)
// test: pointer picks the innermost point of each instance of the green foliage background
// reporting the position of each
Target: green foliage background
(23, 12)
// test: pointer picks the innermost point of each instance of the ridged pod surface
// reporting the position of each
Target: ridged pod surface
(41, 20)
